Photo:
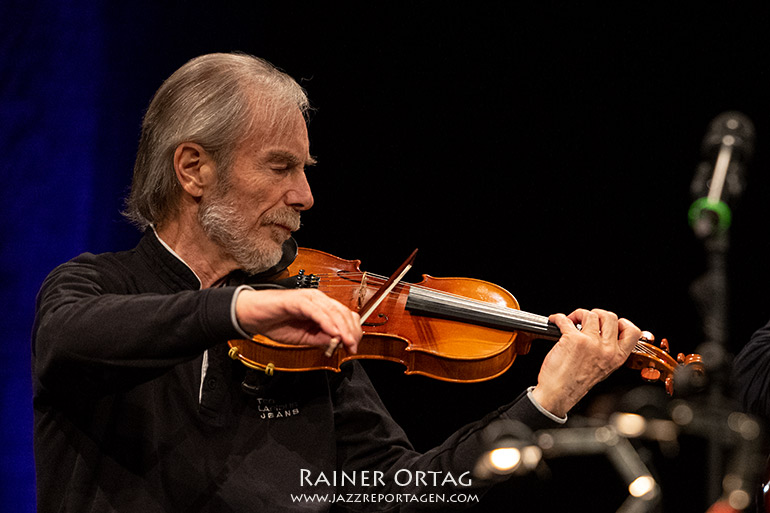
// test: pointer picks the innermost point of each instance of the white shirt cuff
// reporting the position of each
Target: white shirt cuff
(542, 410)
(233, 317)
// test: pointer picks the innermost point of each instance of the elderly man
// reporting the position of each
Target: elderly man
(137, 405)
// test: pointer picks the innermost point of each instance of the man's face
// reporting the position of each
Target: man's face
(256, 207)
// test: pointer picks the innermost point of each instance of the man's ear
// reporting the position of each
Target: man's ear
(194, 168)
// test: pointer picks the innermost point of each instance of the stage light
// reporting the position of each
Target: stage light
(509, 448)
(739, 500)
(508, 456)
(734, 487)
(501, 460)
(504, 459)
(682, 413)
(632, 425)
(744, 425)
(641, 486)
(629, 425)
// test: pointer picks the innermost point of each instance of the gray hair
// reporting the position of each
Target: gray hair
(212, 100)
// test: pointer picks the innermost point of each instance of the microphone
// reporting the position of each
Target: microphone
(719, 179)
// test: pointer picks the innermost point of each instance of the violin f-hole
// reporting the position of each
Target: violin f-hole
(375, 324)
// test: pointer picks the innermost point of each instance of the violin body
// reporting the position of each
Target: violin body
(437, 347)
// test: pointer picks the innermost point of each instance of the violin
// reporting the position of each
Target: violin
(451, 329)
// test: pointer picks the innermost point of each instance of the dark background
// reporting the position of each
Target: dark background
(548, 148)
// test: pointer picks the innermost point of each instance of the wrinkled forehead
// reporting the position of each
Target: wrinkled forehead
(278, 131)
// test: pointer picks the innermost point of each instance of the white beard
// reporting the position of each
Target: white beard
(225, 225)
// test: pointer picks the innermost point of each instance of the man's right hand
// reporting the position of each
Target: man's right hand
(301, 316)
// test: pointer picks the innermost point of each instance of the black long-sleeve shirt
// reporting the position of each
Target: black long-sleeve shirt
(138, 408)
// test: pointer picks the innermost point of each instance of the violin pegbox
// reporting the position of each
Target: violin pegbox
(306, 281)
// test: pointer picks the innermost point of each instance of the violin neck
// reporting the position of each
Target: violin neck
(433, 303)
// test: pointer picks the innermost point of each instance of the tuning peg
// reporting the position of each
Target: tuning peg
(650, 374)
(664, 344)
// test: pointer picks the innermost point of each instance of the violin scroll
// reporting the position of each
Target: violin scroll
(656, 364)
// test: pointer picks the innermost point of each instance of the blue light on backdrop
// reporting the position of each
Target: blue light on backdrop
(74, 79)
(51, 57)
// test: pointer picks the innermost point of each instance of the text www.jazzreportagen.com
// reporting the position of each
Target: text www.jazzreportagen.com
(385, 497)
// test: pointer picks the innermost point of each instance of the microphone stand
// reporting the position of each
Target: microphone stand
(730, 140)
(710, 293)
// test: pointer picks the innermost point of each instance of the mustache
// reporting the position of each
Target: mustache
(285, 217)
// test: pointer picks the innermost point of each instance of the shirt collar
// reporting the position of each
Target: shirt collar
(176, 270)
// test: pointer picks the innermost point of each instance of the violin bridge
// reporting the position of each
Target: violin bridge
(362, 292)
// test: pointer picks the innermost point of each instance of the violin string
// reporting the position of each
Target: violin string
(332, 280)
(639, 348)
(644, 349)
(480, 306)
(374, 281)
(348, 279)
(442, 299)
(343, 281)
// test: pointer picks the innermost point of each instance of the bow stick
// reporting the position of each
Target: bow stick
(374, 301)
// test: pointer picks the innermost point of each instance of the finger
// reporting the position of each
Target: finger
(628, 328)
(608, 324)
(333, 319)
(346, 336)
(348, 325)
(564, 323)
(589, 320)
(628, 335)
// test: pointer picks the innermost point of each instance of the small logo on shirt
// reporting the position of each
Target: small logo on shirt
(270, 409)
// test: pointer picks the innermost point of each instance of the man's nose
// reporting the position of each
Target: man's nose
(300, 196)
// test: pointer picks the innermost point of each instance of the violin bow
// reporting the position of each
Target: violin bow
(374, 301)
